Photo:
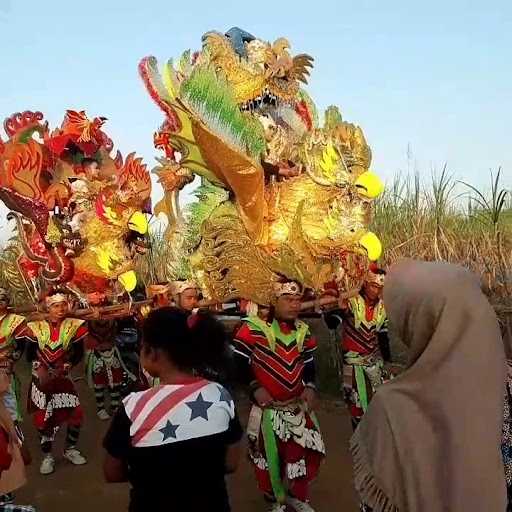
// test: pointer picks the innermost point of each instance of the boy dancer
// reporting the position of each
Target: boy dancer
(57, 346)
(365, 343)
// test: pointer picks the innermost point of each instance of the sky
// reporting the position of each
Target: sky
(434, 77)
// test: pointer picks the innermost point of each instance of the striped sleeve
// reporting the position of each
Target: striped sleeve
(309, 375)
(28, 334)
(384, 327)
(243, 342)
(81, 333)
(20, 332)
(243, 345)
(310, 346)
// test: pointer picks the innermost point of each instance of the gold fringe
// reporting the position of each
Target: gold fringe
(367, 487)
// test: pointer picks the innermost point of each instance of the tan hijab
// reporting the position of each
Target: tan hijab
(430, 440)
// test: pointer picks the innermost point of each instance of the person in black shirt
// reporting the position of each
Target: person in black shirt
(175, 442)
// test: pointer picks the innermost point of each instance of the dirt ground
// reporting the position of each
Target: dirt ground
(82, 489)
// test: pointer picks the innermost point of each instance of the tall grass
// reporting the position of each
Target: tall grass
(447, 220)
(440, 219)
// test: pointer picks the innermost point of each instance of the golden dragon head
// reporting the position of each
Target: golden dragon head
(260, 73)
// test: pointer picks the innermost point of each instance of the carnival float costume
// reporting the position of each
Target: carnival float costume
(53, 399)
(78, 229)
(283, 198)
(280, 194)
(286, 445)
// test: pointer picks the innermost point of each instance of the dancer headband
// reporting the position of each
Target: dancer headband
(56, 299)
(158, 289)
(289, 288)
(178, 287)
(377, 279)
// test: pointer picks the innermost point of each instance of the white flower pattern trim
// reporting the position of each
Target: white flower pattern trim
(259, 461)
(296, 469)
(38, 397)
(57, 401)
(64, 401)
(288, 424)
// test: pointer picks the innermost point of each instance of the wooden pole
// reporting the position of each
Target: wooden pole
(127, 308)
(328, 301)
(113, 311)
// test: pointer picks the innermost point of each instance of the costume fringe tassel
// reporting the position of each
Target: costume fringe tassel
(366, 486)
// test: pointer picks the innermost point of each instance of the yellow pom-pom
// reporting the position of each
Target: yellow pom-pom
(369, 185)
(371, 245)
(128, 280)
(138, 222)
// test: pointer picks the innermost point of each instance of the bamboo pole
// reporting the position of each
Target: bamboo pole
(128, 308)
(328, 301)
(112, 311)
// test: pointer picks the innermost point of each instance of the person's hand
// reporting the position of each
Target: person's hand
(286, 171)
(144, 311)
(263, 398)
(394, 370)
(309, 397)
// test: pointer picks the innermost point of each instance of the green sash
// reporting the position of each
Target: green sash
(8, 324)
(358, 308)
(67, 331)
(273, 332)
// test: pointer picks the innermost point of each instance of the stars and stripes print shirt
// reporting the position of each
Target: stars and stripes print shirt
(173, 439)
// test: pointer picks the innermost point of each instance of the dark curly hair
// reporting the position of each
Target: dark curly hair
(195, 343)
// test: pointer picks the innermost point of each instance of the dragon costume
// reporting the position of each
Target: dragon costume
(76, 231)
(280, 194)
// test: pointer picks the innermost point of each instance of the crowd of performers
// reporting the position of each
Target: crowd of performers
(178, 405)
(272, 353)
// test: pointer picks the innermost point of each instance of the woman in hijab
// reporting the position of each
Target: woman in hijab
(431, 439)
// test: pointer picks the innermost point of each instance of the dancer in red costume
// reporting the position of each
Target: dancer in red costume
(365, 343)
(285, 444)
(57, 346)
